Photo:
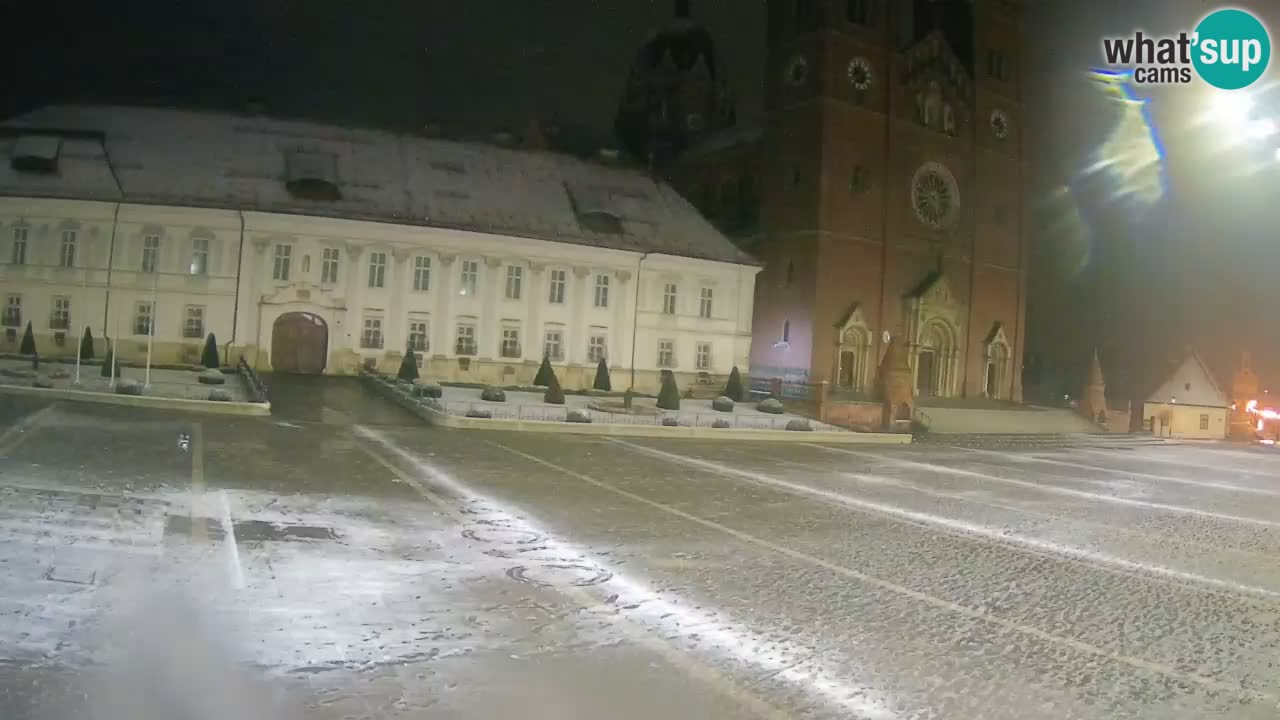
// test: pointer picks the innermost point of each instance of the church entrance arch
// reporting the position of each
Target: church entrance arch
(936, 360)
(299, 343)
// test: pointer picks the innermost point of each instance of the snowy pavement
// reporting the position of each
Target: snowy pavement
(340, 560)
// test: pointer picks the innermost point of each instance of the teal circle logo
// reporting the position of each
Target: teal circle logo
(1231, 49)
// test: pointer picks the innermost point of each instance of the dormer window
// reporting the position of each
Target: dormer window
(600, 221)
(312, 175)
(36, 154)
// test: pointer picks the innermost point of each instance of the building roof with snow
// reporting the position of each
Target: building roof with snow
(201, 159)
(1191, 384)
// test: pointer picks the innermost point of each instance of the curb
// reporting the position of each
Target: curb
(142, 401)
(438, 418)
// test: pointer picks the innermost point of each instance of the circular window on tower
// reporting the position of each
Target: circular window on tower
(934, 195)
(860, 74)
(695, 122)
(797, 71)
(999, 124)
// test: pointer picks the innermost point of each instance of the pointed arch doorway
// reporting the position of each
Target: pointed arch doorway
(299, 343)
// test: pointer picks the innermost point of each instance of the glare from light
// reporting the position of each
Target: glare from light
(1259, 129)
(1230, 110)
(1277, 154)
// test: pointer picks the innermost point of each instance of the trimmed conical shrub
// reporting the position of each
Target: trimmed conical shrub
(602, 377)
(554, 394)
(209, 358)
(408, 366)
(733, 388)
(545, 373)
(669, 394)
(109, 361)
(28, 346)
(86, 344)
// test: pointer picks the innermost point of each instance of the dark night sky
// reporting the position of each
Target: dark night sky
(1196, 270)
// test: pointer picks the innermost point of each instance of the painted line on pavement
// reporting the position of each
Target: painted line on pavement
(229, 542)
(1131, 473)
(1051, 488)
(1071, 643)
(1146, 457)
(21, 431)
(989, 502)
(1040, 547)
(199, 531)
(860, 701)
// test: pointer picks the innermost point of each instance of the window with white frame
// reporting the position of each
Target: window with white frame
(329, 266)
(13, 311)
(704, 305)
(515, 278)
(142, 318)
(597, 348)
(702, 358)
(669, 299)
(60, 318)
(419, 335)
(553, 344)
(19, 254)
(377, 270)
(422, 273)
(558, 281)
(466, 342)
(193, 321)
(280, 266)
(371, 337)
(510, 347)
(602, 291)
(67, 253)
(150, 253)
(470, 277)
(666, 353)
(199, 256)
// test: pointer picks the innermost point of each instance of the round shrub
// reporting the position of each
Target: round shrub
(43, 381)
(493, 394)
(800, 425)
(772, 406)
(722, 404)
(219, 395)
(721, 424)
(211, 377)
(577, 416)
(670, 422)
(128, 387)
(427, 390)
(481, 414)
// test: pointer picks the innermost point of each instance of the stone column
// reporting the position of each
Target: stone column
(620, 296)
(397, 320)
(489, 330)
(576, 351)
(535, 298)
(356, 281)
(257, 278)
(444, 320)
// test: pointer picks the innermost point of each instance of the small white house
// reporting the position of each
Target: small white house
(314, 248)
(1189, 404)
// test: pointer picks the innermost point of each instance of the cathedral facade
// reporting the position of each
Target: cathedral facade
(883, 193)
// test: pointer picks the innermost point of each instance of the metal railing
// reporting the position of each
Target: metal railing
(541, 413)
(257, 389)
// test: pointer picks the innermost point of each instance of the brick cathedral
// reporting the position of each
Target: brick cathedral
(884, 191)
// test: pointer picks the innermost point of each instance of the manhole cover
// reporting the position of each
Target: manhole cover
(559, 574)
(509, 536)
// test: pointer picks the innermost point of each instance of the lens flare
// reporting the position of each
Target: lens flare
(1132, 158)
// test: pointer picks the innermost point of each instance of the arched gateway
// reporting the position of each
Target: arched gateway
(299, 343)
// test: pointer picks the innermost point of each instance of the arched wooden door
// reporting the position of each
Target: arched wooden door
(299, 343)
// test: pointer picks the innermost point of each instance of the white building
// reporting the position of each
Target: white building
(312, 248)
(1189, 404)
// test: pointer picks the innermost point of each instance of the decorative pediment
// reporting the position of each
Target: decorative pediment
(853, 317)
(996, 336)
(940, 85)
(303, 293)
(934, 290)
